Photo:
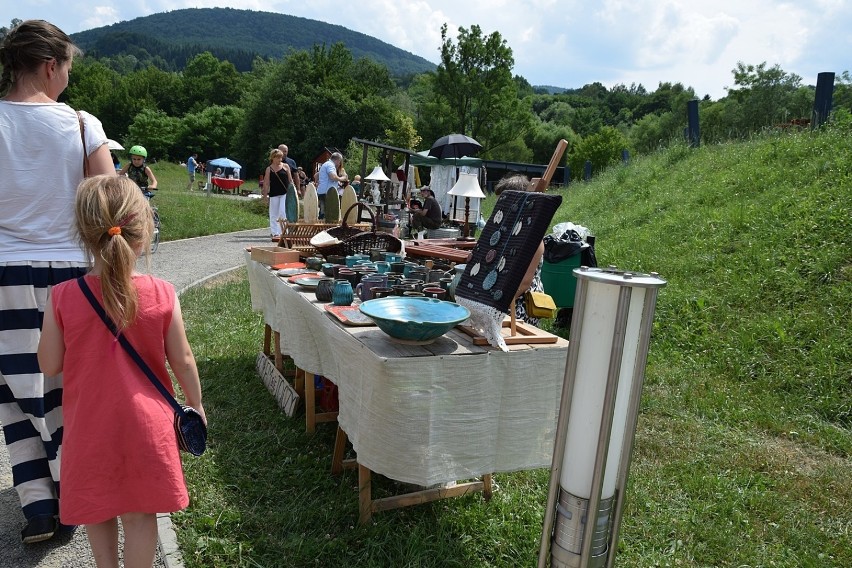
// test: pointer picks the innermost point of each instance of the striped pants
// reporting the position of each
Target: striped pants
(30, 403)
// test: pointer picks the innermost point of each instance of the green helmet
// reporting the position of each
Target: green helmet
(138, 151)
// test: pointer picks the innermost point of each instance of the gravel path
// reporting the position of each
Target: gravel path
(184, 263)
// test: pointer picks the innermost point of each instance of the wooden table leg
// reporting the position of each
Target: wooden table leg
(299, 382)
(310, 404)
(279, 359)
(339, 448)
(486, 486)
(365, 501)
(267, 340)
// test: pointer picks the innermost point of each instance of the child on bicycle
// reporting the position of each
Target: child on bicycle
(120, 454)
(137, 170)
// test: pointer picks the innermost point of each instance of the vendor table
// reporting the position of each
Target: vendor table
(227, 184)
(420, 414)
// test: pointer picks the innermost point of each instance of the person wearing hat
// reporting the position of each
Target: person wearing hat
(430, 215)
(137, 170)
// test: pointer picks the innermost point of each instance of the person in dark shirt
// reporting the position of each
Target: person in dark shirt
(429, 216)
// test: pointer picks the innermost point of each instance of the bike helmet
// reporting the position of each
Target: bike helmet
(138, 151)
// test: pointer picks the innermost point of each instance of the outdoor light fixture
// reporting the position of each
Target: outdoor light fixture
(377, 174)
(467, 186)
(604, 375)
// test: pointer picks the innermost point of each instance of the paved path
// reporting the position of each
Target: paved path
(184, 263)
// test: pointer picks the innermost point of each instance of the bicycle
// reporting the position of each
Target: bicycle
(155, 213)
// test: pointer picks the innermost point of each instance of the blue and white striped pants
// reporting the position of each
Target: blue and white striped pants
(30, 403)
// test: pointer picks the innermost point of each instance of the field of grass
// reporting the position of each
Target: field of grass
(744, 449)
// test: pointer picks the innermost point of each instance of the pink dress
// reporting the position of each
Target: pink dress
(119, 452)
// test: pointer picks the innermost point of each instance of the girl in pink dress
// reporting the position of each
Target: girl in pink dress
(120, 456)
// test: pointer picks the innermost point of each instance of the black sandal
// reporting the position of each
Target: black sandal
(39, 528)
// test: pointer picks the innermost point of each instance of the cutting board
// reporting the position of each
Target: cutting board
(310, 204)
(332, 206)
(349, 199)
(349, 315)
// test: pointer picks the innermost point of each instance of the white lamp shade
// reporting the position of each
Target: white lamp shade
(467, 186)
(377, 174)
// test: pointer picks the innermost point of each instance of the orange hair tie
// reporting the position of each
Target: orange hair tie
(113, 231)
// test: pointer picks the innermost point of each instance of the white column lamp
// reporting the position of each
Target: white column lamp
(467, 186)
(610, 336)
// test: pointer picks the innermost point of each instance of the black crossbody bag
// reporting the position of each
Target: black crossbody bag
(189, 427)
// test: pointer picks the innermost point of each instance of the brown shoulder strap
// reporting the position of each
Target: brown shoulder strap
(83, 139)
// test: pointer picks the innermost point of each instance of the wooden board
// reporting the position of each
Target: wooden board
(349, 199)
(524, 334)
(310, 204)
(332, 206)
(284, 393)
(291, 204)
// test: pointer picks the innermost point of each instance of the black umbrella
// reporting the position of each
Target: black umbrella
(454, 146)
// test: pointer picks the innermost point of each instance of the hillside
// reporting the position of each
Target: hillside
(235, 35)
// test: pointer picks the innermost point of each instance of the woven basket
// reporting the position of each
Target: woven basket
(354, 240)
(297, 236)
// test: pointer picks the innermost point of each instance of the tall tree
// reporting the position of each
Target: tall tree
(475, 81)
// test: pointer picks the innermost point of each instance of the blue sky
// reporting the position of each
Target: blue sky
(566, 43)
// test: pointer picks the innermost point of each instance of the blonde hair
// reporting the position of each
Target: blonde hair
(114, 223)
(30, 44)
(275, 153)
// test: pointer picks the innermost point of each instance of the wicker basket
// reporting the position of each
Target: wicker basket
(298, 236)
(354, 240)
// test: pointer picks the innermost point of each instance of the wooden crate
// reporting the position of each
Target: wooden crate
(274, 255)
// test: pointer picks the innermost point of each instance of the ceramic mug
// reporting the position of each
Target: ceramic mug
(382, 267)
(400, 289)
(380, 292)
(435, 292)
(434, 275)
(397, 266)
(392, 257)
(328, 269)
(408, 267)
(336, 268)
(324, 290)
(362, 290)
(336, 259)
(342, 294)
(314, 262)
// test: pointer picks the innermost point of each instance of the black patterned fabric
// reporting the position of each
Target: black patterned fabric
(506, 247)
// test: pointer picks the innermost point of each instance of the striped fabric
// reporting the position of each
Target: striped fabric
(30, 403)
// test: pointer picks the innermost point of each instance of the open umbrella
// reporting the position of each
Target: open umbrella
(224, 163)
(454, 146)
(113, 145)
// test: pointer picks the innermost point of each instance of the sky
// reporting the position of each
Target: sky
(563, 43)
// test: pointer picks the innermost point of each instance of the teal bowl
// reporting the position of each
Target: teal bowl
(415, 319)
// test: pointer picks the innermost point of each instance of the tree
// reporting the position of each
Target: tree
(765, 95)
(474, 80)
(156, 131)
(602, 149)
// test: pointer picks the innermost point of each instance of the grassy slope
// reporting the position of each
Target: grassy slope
(743, 450)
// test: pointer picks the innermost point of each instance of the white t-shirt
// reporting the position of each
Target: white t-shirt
(41, 164)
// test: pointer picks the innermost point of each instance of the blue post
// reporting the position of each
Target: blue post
(587, 170)
(694, 131)
(822, 99)
(625, 156)
(567, 175)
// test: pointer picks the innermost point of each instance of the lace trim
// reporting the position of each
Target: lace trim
(486, 320)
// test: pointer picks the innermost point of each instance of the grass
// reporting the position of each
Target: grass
(185, 214)
(743, 453)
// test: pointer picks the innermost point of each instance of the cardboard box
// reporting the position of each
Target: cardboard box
(274, 255)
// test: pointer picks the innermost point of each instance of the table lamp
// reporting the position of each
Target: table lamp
(466, 186)
(377, 175)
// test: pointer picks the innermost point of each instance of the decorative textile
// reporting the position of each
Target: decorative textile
(502, 257)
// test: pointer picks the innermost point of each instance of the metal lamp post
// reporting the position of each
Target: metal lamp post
(599, 409)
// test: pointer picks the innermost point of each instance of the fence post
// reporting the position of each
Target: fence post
(822, 99)
(587, 170)
(625, 156)
(693, 130)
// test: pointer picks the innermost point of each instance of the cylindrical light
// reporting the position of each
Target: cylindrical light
(604, 375)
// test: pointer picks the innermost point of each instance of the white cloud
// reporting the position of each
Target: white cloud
(101, 16)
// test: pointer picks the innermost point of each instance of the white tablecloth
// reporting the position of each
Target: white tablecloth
(422, 414)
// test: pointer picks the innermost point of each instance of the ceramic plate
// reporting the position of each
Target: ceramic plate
(308, 281)
(293, 271)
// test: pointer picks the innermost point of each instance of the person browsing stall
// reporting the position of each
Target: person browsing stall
(120, 457)
(328, 178)
(38, 249)
(430, 215)
(276, 179)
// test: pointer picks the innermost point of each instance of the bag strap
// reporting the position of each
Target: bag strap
(128, 347)
(83, 139)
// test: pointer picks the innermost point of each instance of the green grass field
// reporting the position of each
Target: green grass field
(743, 453)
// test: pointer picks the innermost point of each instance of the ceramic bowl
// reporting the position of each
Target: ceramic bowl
(415, 319)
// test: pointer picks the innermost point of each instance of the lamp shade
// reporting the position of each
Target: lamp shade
(377, 174)
(467, 186)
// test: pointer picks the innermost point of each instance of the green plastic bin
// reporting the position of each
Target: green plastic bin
(558, 280)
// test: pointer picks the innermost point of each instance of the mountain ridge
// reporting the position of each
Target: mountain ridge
(242, 33)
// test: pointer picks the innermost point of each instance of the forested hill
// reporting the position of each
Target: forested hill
(170, 39)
